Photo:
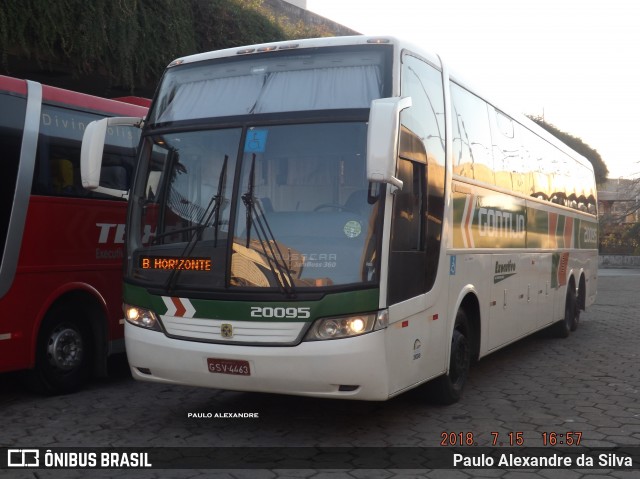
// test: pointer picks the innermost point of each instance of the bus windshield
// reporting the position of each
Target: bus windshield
(281, 207)
(281, 82)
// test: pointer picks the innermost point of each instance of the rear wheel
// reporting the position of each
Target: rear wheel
(570, 321)
(63, 354)
(447, 389)
(580, 302)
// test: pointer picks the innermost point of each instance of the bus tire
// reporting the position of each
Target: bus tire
(580, 302)
(570, 321)
(447, 389)
(63, 352)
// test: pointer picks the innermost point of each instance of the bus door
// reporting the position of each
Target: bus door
(543, 292)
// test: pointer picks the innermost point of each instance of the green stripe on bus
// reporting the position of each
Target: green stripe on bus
(497, 220)
(336, 304)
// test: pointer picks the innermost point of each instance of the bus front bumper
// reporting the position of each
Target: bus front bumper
(351, 368)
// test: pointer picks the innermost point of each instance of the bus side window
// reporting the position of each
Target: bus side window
(114, 176)
(11, 124)
(472, 143)
(422, 140)
(62, 176)
(407, 233)
(408, 258)
(57, 170)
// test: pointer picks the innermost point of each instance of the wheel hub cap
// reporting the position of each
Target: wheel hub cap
(64, 350)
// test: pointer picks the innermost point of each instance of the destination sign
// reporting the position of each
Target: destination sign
(169, 263)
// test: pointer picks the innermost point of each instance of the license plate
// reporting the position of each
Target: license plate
(236, 367)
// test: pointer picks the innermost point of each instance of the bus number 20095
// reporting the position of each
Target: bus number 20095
(280, 312)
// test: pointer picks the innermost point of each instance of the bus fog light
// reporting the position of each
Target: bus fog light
(342, 327)
(141, 317)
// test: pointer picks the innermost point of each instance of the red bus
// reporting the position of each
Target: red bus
(61, 246)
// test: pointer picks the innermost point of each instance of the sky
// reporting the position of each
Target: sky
(576, 63)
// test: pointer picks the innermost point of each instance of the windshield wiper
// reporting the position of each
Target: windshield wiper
(204, 220)
(270, 249)
(218, 201)
(209, 212)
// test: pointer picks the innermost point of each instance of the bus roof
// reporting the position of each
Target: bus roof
(300, 44)
(400, 45)
(121, 106)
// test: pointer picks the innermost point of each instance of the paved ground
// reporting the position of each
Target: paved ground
(588, 383)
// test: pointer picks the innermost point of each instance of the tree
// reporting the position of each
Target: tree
(619, 201)
(599, 167)
(130, 42)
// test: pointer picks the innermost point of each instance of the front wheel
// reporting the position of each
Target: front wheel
(63, 355)
(447, 389)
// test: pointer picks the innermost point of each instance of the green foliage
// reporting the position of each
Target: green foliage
(599, 167)
(620, 239)
(219, 26)
(132, 41)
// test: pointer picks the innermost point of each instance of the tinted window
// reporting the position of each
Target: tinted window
(472, 147)
(57, 170)
(407, 260)
(295, 80)
(11, 124)
(419, 206)
(511, 156)
(423, 83)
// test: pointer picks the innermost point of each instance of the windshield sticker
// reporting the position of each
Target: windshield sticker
(352, 229)
(256, 141)
(320, 260)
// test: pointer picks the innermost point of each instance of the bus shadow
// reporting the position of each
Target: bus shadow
(346, 415)
(13, 387)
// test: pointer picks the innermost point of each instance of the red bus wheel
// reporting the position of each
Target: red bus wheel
(63, 355)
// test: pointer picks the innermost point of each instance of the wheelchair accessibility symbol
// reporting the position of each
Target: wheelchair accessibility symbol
(256, 141)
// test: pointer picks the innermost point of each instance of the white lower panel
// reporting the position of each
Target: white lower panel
(310, 369)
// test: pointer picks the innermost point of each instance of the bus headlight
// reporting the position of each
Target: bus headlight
(144, 318)
(347, 326)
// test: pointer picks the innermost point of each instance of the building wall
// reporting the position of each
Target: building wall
(617, 196)
(296, 13)
(618, 261)
(298, 3)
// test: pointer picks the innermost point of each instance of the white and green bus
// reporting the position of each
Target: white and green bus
(344, 218)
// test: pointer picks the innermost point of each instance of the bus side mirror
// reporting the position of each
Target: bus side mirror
(382, 139)
(92, 152)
